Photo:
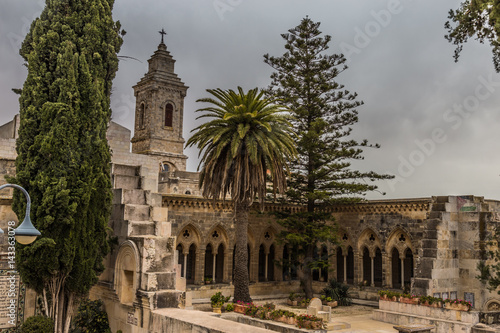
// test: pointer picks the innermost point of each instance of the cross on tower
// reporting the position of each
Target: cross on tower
(162, 33)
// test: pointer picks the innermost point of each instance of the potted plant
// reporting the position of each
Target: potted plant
(292, 299)
(240, 307)
(230, 307)
(409, 299)
(208, 280)
(383, 294)
(218, 301)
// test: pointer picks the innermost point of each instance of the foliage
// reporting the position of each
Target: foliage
(292, 296)
(306, 321)
(324, 298)
(230, 307)
(479, 19)
(458, 301)
(269, 305)
(218, 299)
(91, 318)
(282, 313)
(247, 142)
(63, 157)
(429, 299)
(323, 115)
(37, 324)
(338, 292)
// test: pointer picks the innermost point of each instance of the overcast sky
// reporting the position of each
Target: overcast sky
(436, 120)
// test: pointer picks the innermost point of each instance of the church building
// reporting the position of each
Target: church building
(175, 246)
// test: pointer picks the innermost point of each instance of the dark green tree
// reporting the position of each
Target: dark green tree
(63, 156)
(479, 19)
(247, 141)
(323, 113)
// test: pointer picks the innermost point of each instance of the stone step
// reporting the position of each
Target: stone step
(126, 182)
(141, 228)
(123, 196)
(136, 212)
(158, 281)
(126, 170)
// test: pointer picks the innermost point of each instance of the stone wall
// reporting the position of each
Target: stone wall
(445, 320)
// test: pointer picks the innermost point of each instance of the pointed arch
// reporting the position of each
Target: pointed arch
(188, 234)
(369, 239)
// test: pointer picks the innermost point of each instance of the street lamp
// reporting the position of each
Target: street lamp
(26, 233)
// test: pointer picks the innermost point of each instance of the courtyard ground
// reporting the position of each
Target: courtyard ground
(357, 316)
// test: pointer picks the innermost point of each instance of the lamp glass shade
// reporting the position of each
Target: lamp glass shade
(26, 233)
(25, 239)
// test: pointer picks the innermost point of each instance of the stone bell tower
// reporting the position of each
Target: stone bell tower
(159, 111)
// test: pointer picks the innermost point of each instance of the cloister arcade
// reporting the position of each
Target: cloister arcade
(367, 259)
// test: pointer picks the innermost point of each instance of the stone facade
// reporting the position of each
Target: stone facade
(171, 240)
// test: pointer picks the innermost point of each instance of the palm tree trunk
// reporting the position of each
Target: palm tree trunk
(241, 279)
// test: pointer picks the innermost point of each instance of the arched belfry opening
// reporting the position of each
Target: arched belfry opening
(169, 115)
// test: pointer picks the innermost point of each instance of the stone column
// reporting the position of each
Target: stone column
(266, 264)
(345, 269)
(402, 272)
(200, 267)
(372, 283)
(185, 265)
(214, 262)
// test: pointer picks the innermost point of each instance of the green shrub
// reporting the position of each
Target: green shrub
(338, 292)
(38, 324)
(91, 318)
(229, 307)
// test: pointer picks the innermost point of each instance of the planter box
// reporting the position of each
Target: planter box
(457, 307)
(239, 308)
(286, 320)
(408, 300)
(333, 304)
(312, 324)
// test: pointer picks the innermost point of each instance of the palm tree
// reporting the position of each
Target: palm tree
(247, 141)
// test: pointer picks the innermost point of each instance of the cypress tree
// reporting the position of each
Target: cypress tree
(63, 156)
(305, 82)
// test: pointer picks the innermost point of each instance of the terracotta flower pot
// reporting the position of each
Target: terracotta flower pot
(239, 308)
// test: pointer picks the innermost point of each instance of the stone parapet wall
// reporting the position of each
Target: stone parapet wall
(445, 320)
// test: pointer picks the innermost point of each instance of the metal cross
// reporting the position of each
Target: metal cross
(162, 33)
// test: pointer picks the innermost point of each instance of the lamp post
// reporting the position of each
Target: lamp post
(26, 233)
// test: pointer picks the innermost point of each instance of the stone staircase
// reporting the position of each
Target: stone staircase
(429, 245)
(138, 216)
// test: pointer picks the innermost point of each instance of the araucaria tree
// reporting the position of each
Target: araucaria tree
(479, 18)
(63, 156)
(323, 113)
(247, 143)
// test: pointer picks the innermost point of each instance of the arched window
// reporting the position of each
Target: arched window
(169, 113)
